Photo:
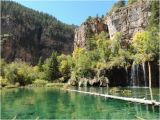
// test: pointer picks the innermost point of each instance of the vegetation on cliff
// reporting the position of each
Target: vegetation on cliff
(31, 34)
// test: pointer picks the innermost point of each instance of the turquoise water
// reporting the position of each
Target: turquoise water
(50, 103)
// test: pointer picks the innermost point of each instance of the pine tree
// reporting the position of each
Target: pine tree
(52, 71)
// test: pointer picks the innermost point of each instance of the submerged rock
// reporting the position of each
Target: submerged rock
(104, 81)
(72, 82)
(114, 90)
(83, 82)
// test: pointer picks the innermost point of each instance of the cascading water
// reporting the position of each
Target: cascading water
(133, 74)
(145, 80)
(137, 76)
(144, 74)
(126, 75)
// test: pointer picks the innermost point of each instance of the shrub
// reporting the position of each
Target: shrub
(2, 66)
(20, 72)
(3, 82)
(39, 82)
(55, 84)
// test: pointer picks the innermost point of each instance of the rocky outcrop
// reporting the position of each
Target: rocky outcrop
(86, 29)
(80, 36)
(84, 82)
(128, 20)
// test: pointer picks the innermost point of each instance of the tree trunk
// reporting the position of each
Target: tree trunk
(150, 89)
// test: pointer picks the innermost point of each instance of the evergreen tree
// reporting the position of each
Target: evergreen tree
(40, 63)
(131, 1)
(52, 71)
(120, 3)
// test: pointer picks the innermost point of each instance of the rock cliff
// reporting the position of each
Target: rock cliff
(128, 20)
(88, 28)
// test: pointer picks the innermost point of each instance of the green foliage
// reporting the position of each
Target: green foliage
(105, 54)
(154, 18)
(131, 1)
(40, 63)
(39, 82)
(60, 85)
(77, 53)
(122, 59)
(116, 43)
(20, 72)
(103, 48)
(51, 69)
(91, 43)
(3, 82)
(146, 45)
(119, 4)
(2, 66)
(82, 63)
(89, 18)
(65, 65)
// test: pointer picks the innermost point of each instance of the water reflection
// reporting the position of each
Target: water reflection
(135, 92)
(52, 103)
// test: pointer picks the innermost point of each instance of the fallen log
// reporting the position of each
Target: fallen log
(137, 100)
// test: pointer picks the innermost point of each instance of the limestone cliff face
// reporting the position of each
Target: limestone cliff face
(128, 20)
(89, 28)
(80, 36)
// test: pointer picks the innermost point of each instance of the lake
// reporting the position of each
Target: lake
(51, 103)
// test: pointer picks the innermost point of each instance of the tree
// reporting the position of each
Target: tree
(119, 4)
(40, 63)
(131, 1)
(65, 65)
(147, 45)
(102, 16)
(2, 66)
(82, 63)
(89, 18)
(116, 43)
(52, 71)
(154, 18)
(103, 46)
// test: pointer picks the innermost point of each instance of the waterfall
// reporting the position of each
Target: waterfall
(145, 80)
(126, 75)
(137, 77)
(133, 74)
(144, 74)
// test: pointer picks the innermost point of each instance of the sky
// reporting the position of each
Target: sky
(70, 11)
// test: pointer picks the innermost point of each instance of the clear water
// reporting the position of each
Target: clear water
(50, 103)
(134, 92)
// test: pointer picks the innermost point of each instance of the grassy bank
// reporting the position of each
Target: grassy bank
(54, 85)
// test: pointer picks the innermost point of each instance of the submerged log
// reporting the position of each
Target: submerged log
(143, 101)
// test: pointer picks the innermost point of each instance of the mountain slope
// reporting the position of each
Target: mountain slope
(28, 34)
